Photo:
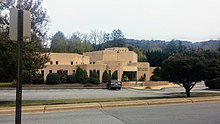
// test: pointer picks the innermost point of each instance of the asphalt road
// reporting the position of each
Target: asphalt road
(196, 113)
(9, 95)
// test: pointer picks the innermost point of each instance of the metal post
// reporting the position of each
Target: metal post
(20, 67)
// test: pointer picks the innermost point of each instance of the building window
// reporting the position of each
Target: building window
(74, 71)
(51, 62)
(90, 62)
(57, 62)
(50, 71)
(71, 62)
(76, 62)
(130, 62)
(93, 62)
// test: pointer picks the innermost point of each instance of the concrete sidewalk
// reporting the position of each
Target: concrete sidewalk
(67, 107)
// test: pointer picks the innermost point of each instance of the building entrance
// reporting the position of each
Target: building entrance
(131, 75)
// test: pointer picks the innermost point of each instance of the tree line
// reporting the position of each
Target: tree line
(83, 42)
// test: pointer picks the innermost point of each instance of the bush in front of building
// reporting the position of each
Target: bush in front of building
(63, 75)
(94, 79)
(37, 79)
(125, 78)
(71, 79)
(115, 75)
(213, 84)
(143, 78)
(81, 76)
(105, 77)
(53, 78)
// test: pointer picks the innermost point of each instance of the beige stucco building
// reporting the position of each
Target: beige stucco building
(118, 59)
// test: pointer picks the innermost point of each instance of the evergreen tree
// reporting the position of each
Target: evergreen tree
(115, 75)
(94, 79)
(81, 76)
(105, 77)
(34, 58)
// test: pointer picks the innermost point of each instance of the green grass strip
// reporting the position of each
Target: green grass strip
(75, 101)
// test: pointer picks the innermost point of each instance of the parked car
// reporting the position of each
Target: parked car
(113, 84)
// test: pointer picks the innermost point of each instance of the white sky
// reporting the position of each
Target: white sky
(194, 20)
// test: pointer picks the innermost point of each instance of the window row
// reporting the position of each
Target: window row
(57, 62)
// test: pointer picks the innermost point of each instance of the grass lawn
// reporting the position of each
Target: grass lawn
(8, 84)
(75, 101)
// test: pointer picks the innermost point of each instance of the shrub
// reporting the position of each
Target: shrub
(53, 78)
(125, 78)
(94, 79)
(71, 79)
(217, 83)
(105, 77)
(115, 75)
(38, 79)
(143, 78)
(213, 84)
(63, 75)
(81, 76)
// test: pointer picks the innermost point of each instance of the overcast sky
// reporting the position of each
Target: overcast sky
(193, 20)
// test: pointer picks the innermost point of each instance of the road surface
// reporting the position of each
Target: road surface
(9, 95)
(196, 113)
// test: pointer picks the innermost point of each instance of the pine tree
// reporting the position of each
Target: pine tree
(94, 79)
(105, 77)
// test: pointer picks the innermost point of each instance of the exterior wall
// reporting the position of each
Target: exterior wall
(67, 58)
(94, 56)
(113, 66)
(143, 68)
(98, 67)
(113, 54)
(55, 68)
(110, 59)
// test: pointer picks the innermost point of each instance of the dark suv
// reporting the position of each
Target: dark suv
(113, 84)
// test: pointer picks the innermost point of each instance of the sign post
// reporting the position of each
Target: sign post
(19, 30)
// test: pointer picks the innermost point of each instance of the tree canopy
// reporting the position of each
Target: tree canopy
(105, 77)
(183, 70)
(34, 58)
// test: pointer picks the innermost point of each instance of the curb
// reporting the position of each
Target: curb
(67, 107)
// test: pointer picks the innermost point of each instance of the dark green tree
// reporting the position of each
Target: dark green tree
(53, 78)
(94, 79)
(156, 58)
(183, 70)
(141, 56)
(81, 76)
(156, 75)
(115, 75)
(71, 79)
(105, 77)
(211, 58)
(58, 43)
(34, 58)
